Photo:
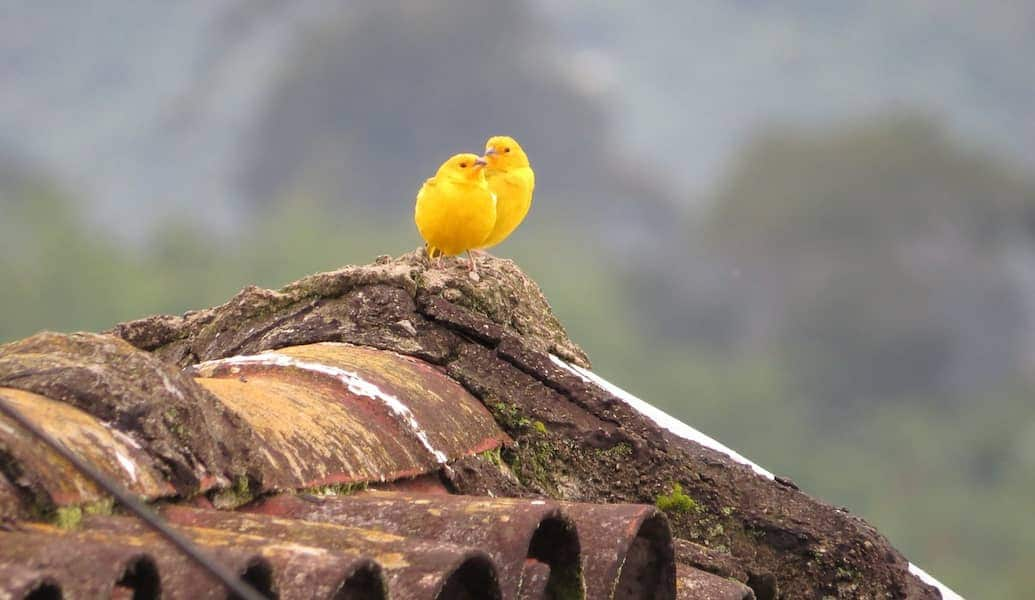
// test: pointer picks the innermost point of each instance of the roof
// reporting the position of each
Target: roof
(391, 430)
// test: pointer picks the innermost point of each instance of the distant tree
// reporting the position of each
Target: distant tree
(879, 254)
(376, 98)
(892, 179)
(55, 273)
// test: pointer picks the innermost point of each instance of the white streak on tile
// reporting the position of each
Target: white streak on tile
(660, 417)
(122, 437)
(355, 383)
(128, 465)
(947, 594)
(683, 430)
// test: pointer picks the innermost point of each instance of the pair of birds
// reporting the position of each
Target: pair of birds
(474, 202)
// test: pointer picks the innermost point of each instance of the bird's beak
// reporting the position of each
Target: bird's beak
(490, 151)
(480, 161)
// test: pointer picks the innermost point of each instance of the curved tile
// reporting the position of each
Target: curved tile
(626, 550)
(412, 567)
(337, 413)
(511, 530)
(43, 470)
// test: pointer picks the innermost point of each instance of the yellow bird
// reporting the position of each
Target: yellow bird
(455, 210)
(512, 180)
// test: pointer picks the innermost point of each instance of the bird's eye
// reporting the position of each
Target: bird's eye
(463, 165)
(506, 149)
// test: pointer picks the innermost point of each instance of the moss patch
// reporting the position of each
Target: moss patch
(509, 417)
(677, 502)
(68, 517)
(619, 450)
(531, 461)
(566, 584)
(337, 489)
(237, 495)
(104, 508)
(493, 456)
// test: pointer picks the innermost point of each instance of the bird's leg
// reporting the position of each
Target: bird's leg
(434, 256)
(472, 266)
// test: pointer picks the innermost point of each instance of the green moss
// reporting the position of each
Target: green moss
(68, 517)
(492, 456)
(677, 502)
(241, 486)
(104, 508)
(172, 421)
(509, 417)
(727, 511)
(540, 427)
(619, 450)
(232, 497)
(337, 489)
(566, 584)
(532, 463)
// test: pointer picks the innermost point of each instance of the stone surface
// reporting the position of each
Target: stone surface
(573, 440)
(195, 439)
(379, 305)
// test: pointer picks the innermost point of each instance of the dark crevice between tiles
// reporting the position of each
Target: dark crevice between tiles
(556, 544)
(474, 579)
(139, 581)
(45, 590)
(33, 499)
(648, 569)
(365, 583)
(259, 575)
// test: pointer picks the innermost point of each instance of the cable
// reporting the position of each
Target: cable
(124, 497)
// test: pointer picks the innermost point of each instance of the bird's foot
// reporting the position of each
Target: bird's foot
(472, 267)
(434, 262)
(434, 256)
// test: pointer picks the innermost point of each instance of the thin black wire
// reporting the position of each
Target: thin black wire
(125, 498)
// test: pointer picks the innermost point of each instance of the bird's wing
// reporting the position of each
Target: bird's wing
(429, 183)
(520, 178)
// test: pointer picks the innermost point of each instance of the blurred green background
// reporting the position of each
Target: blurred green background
(807, 230)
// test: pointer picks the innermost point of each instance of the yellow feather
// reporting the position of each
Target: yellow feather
(455, 210)
(511, 178)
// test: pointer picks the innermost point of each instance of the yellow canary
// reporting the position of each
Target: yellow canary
(455, 210)
(512, 180)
